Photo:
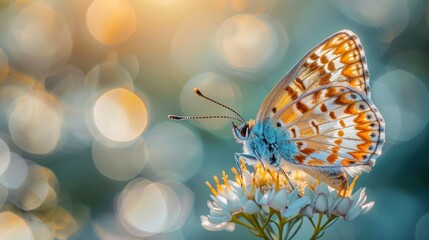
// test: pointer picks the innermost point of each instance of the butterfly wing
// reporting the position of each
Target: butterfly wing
(339, 59)
(324, 104)
(336, 129)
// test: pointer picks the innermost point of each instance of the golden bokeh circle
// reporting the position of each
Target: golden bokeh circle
(120, 115)
(111, 21)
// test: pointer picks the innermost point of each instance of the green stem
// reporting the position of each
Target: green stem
(312, 222)
(301, 220)
(319, 220)
(325, 225)
(281, 226)
(289, 227)
(267, 221)
(267, 226)
(320, 229)
(259, 225)
(250, 219)
(259, 228)
(237, 221)
(317, 228)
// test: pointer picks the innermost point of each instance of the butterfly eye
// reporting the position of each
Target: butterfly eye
(240, 133)
(244, 130)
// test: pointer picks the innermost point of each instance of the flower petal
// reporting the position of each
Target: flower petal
(247, 178)
(362, 197)
(279, 200)
(213, 205)
(353, 213)
(309, 193)
(307, 211)
(220, 200)
(229, 226)
(321, 203)
(234, 205)
(367, 207)
(357, 195)
(333, 200)
(290, 212)
(251, 207)
(205, 223)
(292, 196)
(219, 214)
(230, 193)
(332, 204)
(299, 203)
(220, 211)
(262, 198)
(344, 206)
(271, 195)
(235, 186)
(323, 188)
(213, 219)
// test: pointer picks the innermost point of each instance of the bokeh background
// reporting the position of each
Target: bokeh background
(87, 151)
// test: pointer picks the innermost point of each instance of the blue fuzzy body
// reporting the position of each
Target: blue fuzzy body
(270, 144)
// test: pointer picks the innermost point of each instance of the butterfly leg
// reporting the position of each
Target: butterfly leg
(343, 179)
(249, 159)
(287, 178)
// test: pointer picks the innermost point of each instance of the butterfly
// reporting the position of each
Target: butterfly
(319, 118)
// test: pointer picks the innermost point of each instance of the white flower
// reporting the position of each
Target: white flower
(294, 204)
(256, 199)
(263, 198)
(251, 193)
(359, 205)
(251, 207)
(308, 211)
(279, 200)
(343, 207)
(328, 201)
(216, 226)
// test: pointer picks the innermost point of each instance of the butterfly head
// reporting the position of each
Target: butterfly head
(242, 133)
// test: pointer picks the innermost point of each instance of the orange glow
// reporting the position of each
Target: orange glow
(4, 65)
(14, 227)
(246, 42)
(111, 21)
(161, 3)
(120, 115)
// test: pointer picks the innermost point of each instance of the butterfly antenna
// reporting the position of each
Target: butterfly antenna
(179, 118)
(197, 91)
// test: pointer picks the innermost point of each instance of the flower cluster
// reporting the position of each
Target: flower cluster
(265, 203)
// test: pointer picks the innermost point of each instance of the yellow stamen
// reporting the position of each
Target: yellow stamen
(238, 177)
(261, 172)
(271, 177)
(352, 185)
(225, 179)
(253, 186)
(233, 170)
(344, 192)
(242, 165)
(278, 182)
(218, 186)
(211, 188)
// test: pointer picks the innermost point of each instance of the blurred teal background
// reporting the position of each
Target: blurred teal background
(87, 151)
